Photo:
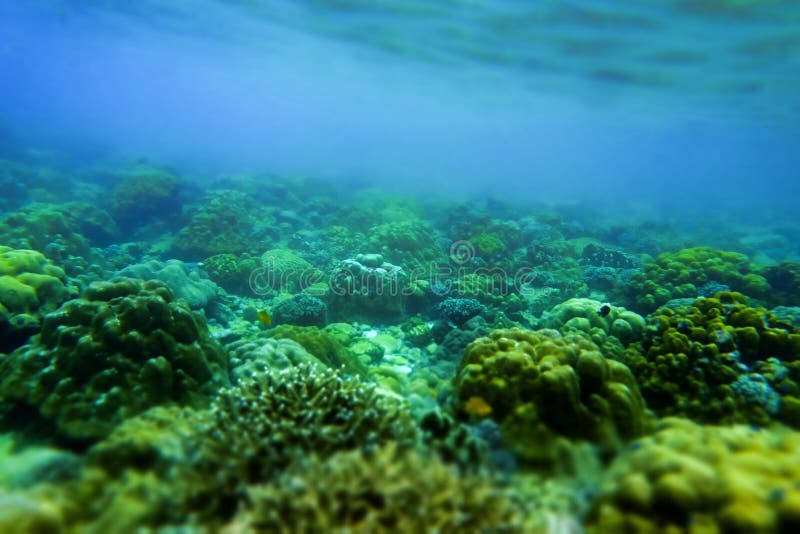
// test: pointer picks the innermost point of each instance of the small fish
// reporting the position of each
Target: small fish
(605, 309)
(477, 407)
(264, 318)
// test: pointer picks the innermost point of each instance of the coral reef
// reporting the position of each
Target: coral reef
(144, 194)
(223, 224)
(253, 356)
(458, 311)
(367, 289)
(301, 310)
(609, 327)
(322, 344)
(122, 347)
(186, 283)
(285, 416)
(283, 270)
(542, 386)
(60, 231)
(706, 360)
(691, 478)
(231, 272)
(373, 493)
(685, 273)
(408, 243)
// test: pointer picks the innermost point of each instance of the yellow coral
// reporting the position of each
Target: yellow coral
(727, 479)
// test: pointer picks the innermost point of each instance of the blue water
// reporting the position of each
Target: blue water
(677, 103)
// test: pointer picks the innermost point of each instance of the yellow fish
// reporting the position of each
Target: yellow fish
(477, 407)
(264, 318)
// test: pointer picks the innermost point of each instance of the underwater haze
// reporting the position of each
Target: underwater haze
(666, 102)
(399, 266)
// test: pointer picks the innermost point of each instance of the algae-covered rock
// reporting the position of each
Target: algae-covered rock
(543, 385)
(122, 347)
(689, 478)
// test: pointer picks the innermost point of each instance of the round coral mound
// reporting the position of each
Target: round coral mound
(691, 478)
(542, 385)
(122, 347)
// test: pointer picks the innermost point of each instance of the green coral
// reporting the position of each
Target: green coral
(683, 274)
(60, 231)
(610, 327)
(144, 193)
(223, 224)
(122, 347)
(411, 244)
(283, 270)
(689, 478)
(231, 272)
(256, 355)
(367, 289)
(322, 344)
(30, 287)
(285, 416)
(376, 493)
(705, 361)
(542, 386)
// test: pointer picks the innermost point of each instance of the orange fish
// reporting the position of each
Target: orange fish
(477, 407)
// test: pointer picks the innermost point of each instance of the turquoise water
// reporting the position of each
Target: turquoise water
(399, 266)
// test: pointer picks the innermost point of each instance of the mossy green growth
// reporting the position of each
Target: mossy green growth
(122, 347)
(544, 387)
(321, 344)
(231, 272)
(717, 360)
(684, 274)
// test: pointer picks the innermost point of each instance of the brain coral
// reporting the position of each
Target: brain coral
(690, 478)
(122, 347)
(542, 385)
